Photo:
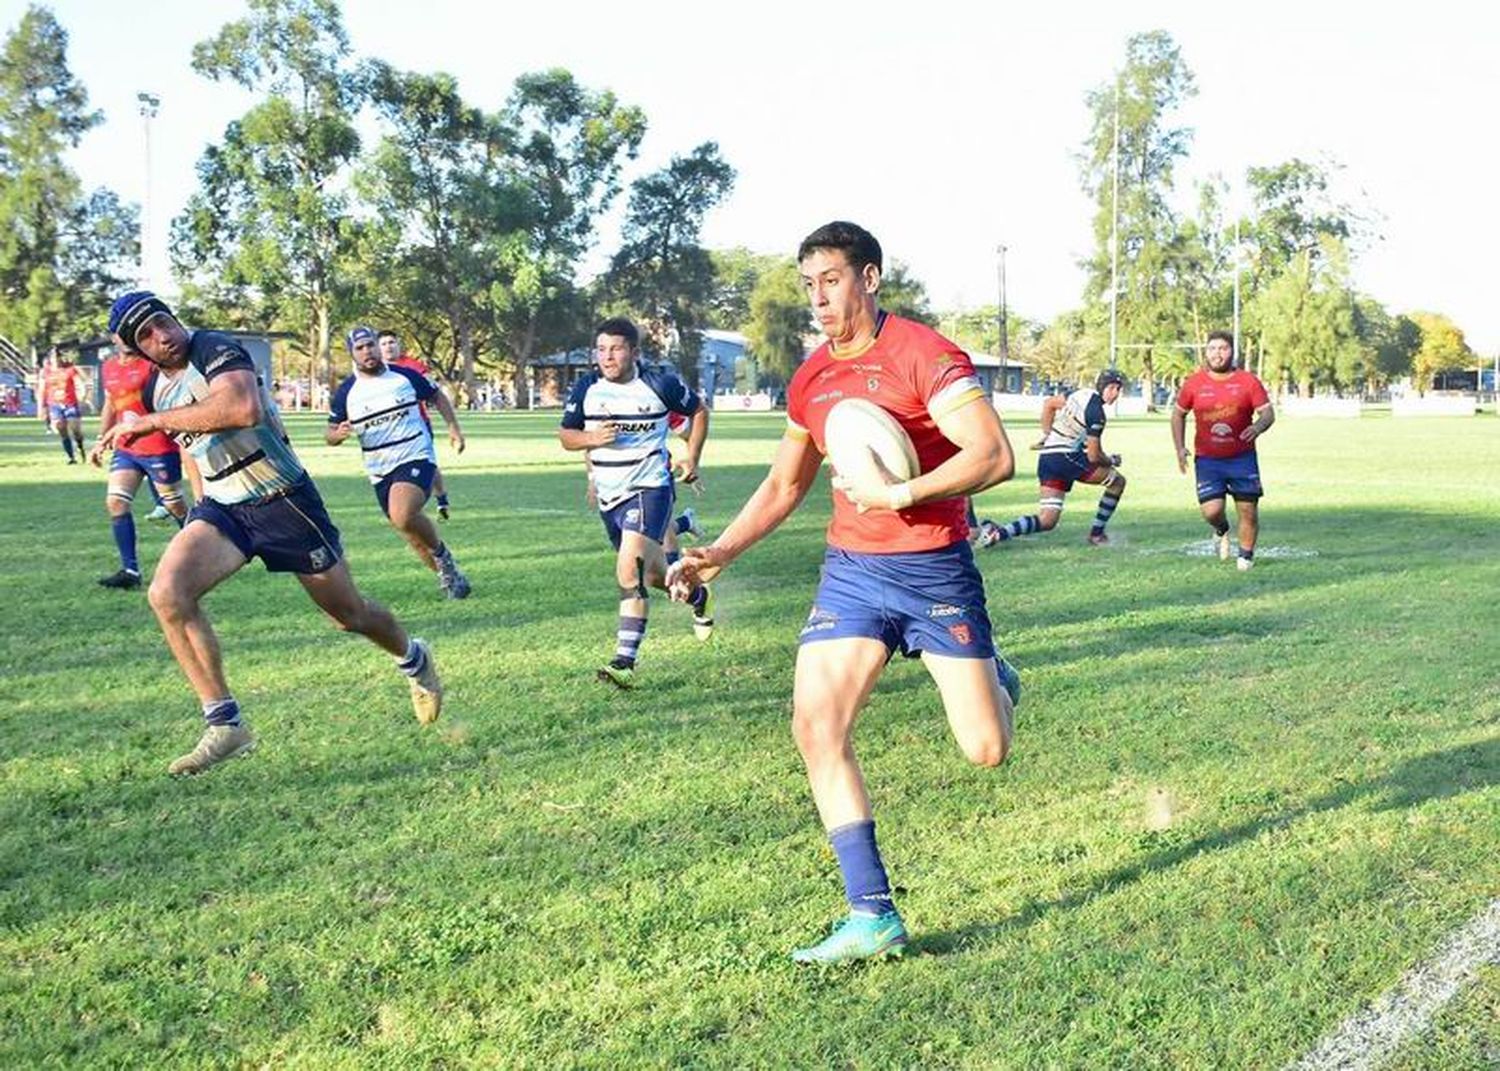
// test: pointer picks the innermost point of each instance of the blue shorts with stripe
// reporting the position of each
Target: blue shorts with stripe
(160, 469)
(1238, 476)
(1061, 471)
(60, 412)
(647, 510)
(289, 532)
(931, 600)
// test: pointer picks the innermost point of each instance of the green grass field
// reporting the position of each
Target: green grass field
(1239, 807)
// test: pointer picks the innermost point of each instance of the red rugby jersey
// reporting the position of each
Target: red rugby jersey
(1222, 407)
(123, 382)
(916, 375)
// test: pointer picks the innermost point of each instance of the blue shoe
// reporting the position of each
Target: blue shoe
(858, 936)
(1010, 680)
(693, 528)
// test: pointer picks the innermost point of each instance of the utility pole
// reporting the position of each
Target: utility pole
(148, 105)
(1004, 327)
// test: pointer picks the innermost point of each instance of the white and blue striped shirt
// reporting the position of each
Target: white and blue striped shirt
(638, 458)
(383, 410)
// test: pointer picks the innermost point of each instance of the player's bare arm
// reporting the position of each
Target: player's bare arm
(450, 417)
(696, 436)
(1093, 448)
(1050, 406)
(793, 472)
(334, 434)
(233, 402)
(106, 421)
(579, 439)
(1264, 417)
(1179, 436)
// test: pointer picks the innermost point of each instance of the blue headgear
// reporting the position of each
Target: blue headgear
(132, 310)
(360, 334)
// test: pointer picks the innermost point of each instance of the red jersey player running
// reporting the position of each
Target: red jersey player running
(1231, 410)
(898, 575)
(59, 380)
(152, 456)
(391, 353)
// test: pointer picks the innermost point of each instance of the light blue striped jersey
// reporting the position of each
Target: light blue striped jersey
(237, 464)
(384, 411)
(638, 457)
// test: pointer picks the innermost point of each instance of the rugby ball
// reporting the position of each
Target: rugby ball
(857, 431)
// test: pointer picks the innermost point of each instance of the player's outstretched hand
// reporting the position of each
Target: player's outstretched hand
(120, 433)
(456, 437)
(698, 565)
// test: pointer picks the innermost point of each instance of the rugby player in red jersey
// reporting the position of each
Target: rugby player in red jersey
(1231, 410)
(153, 456)
(392, 354)
(59, 380)
(898, 574)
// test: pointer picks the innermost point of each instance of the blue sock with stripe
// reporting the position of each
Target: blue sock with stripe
(628, 638)
(222, 711)
(1107, 505)
(1021, 526)
(866, 886)
(123, 529)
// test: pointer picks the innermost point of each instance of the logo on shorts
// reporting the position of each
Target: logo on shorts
(962, 633)
(944, 610)
(820, 620)
(318, 558)
(632, 516)
(416, 472)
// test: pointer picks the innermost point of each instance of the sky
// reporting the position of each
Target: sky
(945, 130)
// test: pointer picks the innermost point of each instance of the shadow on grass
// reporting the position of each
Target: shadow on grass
(1433, 776)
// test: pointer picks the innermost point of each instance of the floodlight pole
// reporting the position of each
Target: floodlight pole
(148, 105)
(1004, 326)
(1237, 287)
(1114, 239)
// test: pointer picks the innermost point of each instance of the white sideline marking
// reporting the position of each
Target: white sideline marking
(1367, 1038)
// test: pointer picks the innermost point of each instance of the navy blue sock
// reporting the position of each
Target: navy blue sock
(443, 499)
(1248, 553)
(68, 447)
(682, 524)
(628, 637)
(415, 660)
(673, 556)
(123, 528)
(221, 711)
(866, 887)
(1221, 528)
(698, 598)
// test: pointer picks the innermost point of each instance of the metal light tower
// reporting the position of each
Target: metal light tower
(148, 104)
(1004, 327)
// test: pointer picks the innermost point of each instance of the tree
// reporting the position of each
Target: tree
(1443, 349)
(569, 145)
(779, 320)
(1306, 322)
(903, 294)
(660, 267)
(62, 253)
(1387, 343)
(736, 271)
(1152, 312)
(445, 206)
(268, 223)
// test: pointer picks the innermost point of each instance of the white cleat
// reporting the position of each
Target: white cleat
(1244, 565)
(426, 688)
(1223, 542)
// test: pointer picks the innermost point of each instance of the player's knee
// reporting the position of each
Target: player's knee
(818, 735)
(988, 750)
(1048, 520)
(1117, 485)
(168, 600)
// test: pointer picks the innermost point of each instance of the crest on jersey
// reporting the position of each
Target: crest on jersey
(872, 384)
